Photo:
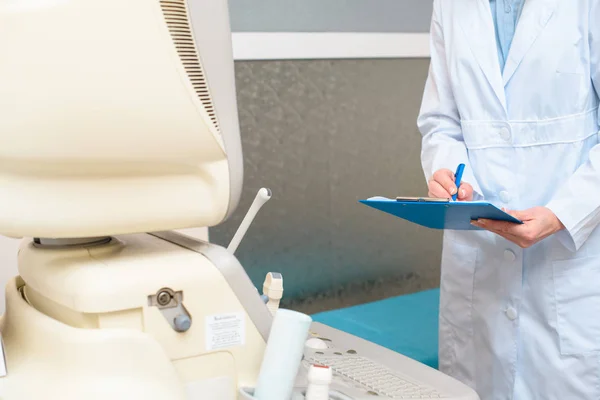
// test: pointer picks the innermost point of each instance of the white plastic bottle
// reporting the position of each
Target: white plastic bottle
(319, 379)
(283, 355)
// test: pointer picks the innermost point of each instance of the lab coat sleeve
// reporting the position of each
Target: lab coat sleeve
(577, 202)
(443, 145)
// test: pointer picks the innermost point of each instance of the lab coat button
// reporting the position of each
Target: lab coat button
(504, 134)
(509, 255)
(511, 313)
(504, 196)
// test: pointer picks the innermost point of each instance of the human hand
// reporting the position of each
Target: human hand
(442, 186)
(538, 224)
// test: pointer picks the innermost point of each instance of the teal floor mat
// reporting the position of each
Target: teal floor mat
(406, 324)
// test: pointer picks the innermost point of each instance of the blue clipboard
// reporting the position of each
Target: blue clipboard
(440, 214)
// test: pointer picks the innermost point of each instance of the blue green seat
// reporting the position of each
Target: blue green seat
(406, 324)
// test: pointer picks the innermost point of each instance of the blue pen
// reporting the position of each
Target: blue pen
(458, 177)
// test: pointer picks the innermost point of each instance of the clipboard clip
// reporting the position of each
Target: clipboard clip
(423, 199)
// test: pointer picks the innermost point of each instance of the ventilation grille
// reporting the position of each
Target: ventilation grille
(178, 22)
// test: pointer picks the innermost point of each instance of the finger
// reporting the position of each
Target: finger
(445, 178)
(521, 215)
(501, 226)
(498, 226)
(444, 172)
(524, 235)
(465, 192)
(519, 241)
(511, 238)
(436, 190)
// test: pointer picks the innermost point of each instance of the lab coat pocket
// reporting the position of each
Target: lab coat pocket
(571, 59)
(577, 296)
(567, 88)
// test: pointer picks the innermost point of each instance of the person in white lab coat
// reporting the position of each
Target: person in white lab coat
(520, 304)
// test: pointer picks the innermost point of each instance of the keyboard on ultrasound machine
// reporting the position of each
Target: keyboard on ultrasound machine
(363, 370)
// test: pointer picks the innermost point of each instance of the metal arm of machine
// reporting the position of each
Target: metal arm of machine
(261, 198)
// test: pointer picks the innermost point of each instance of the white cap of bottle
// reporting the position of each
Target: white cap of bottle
(319, 379)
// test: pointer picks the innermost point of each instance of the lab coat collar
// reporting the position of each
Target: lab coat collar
(477, 23)
(534, 18)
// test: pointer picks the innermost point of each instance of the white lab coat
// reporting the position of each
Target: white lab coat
(520, 324)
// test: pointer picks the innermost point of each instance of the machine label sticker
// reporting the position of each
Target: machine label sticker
(225, 330)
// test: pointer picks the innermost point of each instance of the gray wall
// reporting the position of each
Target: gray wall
(322, 135)
(330, 15)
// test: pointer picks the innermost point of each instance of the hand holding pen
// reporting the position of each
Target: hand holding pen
(446, 184)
